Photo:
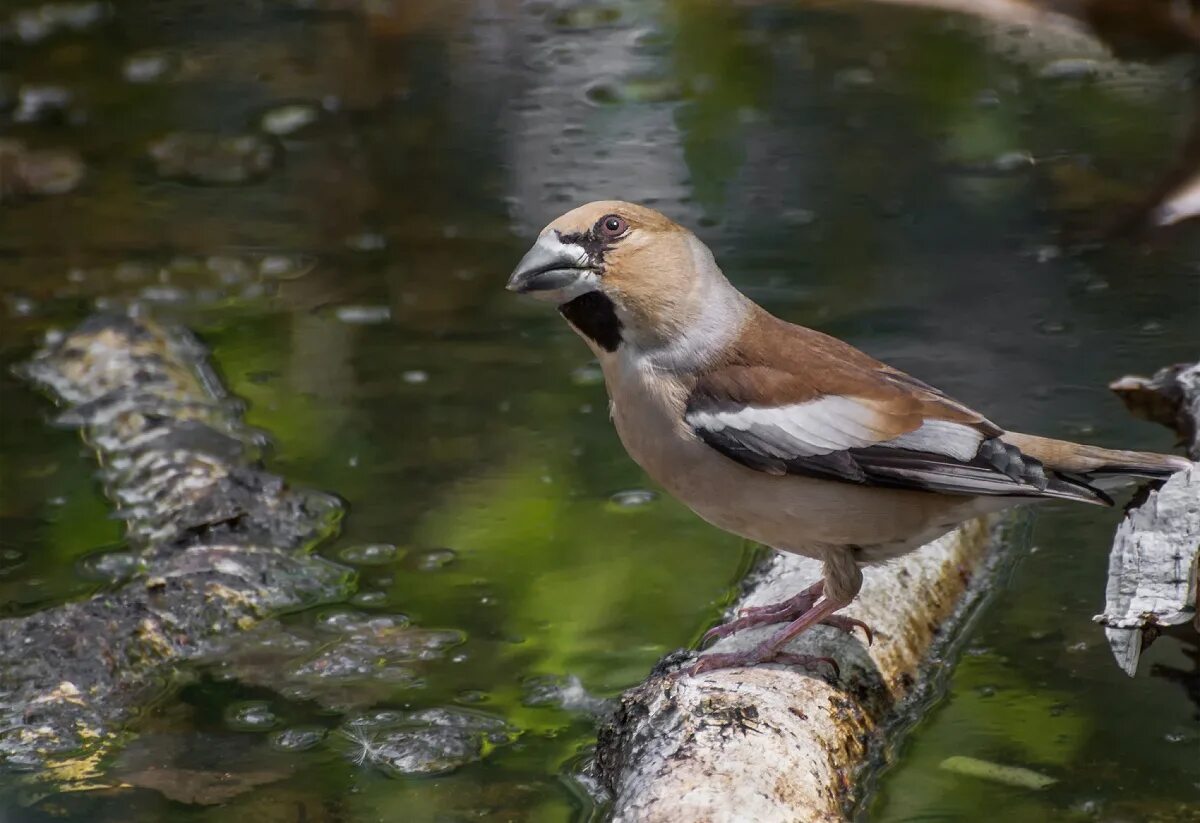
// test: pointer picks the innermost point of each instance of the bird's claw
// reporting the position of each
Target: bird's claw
(731, 660)
(848, 625)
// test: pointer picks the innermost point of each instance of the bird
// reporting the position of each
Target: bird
(781, 434)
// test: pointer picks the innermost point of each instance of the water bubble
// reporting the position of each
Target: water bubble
(340, 620)
(230, 270)
(286, 266)
(363, 315)
(250, 716)
(370, 554)
(859, 77)
(42, 104)
(297, 738)
(20, 306)
(589, 375)
(631, 499)
(369, 599)
(10, 560)
(797, 217)
(1051, 327)
(147, 66)
(110, 567)
(415, 376)
(367, 241)
(289, 118)
(562, 692)
(434, 559)
(1012, 161)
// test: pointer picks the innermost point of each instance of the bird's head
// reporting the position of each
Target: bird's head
(620, 272)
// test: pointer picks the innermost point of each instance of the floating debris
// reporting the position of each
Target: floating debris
(1012, 161)
(433, 741)
(986, 770)
(44, 104)
(366, 241)
(297, 738)
(798, 217)
(369, 600)
(289, 118)
(37, 173)
(40, 22)
(854, 78)
(629, 499)
(10, 560)
(286, 267)
(213, 159)
(589, 375)
(363, 315)
(371, 554)
(148, 66)
(565, 693)
(250, 716)
(433, 559)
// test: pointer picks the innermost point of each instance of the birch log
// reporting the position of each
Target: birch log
(773, 743)
(1155, 560)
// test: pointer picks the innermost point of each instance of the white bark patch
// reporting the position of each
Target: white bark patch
(1152, 570)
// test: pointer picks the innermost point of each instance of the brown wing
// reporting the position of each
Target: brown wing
(798, 402)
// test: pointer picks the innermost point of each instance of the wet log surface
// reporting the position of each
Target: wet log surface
(221, 544)
(775, 743)
(1154, 565)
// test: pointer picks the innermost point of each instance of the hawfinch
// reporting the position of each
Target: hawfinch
(778, 433)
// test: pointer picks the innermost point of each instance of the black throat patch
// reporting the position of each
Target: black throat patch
(594, 315)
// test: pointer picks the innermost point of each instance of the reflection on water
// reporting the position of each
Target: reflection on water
(332, 192)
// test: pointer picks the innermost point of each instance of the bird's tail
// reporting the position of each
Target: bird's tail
(1094, 466)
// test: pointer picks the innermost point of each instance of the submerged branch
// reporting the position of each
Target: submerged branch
(221, 544)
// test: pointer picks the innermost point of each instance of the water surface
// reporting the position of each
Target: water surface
(936, 189)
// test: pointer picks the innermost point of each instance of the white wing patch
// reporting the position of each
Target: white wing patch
(832, 424)
(940, 437)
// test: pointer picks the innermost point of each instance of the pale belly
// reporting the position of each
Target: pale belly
(790, 513)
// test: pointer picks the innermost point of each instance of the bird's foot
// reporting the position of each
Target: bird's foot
(788, 610)
(771, 649)
(752, 657)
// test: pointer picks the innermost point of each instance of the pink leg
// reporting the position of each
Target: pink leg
(788, 610)
(770, 649)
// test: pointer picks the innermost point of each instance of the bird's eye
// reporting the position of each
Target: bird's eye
(612, 226)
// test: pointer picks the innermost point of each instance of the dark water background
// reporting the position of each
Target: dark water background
(937, 189)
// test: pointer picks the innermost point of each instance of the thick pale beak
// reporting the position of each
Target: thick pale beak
(553, 266)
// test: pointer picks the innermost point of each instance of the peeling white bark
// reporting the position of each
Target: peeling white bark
(774, 743)
(1152, 570)
(1154, 566)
